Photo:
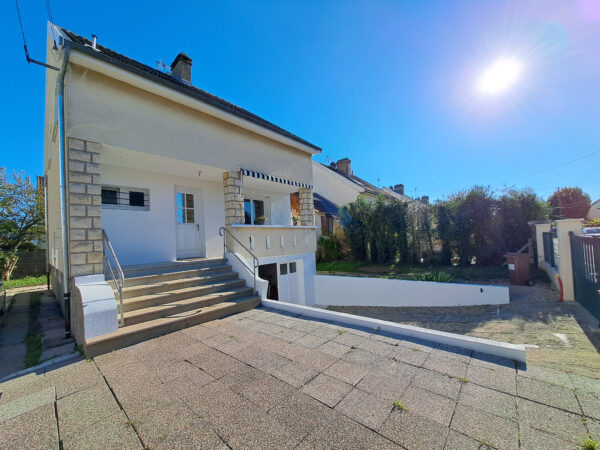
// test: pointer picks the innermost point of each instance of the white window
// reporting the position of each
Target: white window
(185, 208)
(120, 197)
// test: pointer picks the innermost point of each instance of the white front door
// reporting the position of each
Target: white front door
(189, 244)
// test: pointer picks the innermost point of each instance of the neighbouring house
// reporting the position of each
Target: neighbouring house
(162, 198)
(594, 212)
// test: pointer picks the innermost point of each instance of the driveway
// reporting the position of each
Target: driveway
(566, 334)
(263, 379)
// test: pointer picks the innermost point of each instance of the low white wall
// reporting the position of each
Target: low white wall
(515, 352)
(244, 269)
(361, 291)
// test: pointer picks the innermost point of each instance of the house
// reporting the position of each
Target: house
(594, 212)
(167, 206)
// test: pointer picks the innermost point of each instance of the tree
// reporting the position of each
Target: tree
(21, 217)
(514, 209)
(376, 232)
(569, 203)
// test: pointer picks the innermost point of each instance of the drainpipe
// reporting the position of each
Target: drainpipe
(60, 90)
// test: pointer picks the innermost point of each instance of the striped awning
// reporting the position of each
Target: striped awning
(264, 176)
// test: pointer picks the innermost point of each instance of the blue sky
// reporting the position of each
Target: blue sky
(389, 84)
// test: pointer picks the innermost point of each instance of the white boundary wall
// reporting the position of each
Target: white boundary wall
(362, 291)
(515, 352)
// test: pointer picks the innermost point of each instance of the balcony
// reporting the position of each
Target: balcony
(273, 240)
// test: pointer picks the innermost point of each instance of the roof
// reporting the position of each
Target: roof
(368, 187)
(396, 195)
(110, 56)
(324, 205)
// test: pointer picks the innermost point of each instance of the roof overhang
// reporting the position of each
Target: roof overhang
(143, 81)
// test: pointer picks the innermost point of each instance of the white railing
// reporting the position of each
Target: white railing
(118, 278)
(224, 232)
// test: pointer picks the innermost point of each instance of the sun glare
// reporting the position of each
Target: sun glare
(499, 76)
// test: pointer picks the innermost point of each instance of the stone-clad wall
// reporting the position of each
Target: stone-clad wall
(307, 207)
(234, 197)
(85, 200)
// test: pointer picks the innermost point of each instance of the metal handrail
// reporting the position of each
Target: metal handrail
(119, 278)
(224, 232)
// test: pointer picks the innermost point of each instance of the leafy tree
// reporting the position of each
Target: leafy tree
(569, 203)
(514, 209)
(21, 217)
(376, 232)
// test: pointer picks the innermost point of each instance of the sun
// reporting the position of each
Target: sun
(500, 76)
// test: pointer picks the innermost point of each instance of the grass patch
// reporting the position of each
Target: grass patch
(339, 266)
(400, 406)
(462, 379)
(590, 444)
(33, 340)
(27, 281)
(421, 272)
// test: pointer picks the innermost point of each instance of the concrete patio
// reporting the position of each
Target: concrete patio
(269, 380)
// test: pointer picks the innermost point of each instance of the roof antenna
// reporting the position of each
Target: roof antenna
(94, 41)
(160, 65)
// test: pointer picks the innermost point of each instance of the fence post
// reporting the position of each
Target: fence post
(565, 262)
(540, 229)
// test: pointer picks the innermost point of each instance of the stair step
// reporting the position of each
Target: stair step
(140, 332)
(188, 304)
(146, 301)
(170, 266)
(176, 283)
(156, 278)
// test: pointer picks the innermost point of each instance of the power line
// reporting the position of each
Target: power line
(49, 11)
(30, 60)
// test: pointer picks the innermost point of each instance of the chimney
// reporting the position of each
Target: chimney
(425, 199)
(181, 67)
(343, 165)
(399, 188)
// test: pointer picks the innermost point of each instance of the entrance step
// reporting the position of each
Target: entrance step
(140, 332)
(161, 298)
(171, 266)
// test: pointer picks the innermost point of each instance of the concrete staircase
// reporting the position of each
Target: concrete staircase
(162, 298)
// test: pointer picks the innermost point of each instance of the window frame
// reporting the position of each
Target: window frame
(252, 201)
(124, 199)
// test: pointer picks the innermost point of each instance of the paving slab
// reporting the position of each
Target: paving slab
(365, 408)
(532, 439)
(27, 403)
(437, 383)
(35, 429)
(112, 432)
(426, 404)
(413, 431)
(301, 413)
(295, 373)
(266, 391)
(343, 433)
(548, 394)
(383, 385)
(458, 441)
(590, 404)
(414, 355)
(346, 372)
(176, 427)
(505, 381)
(567, 425)
(485, 427)
(74, 376)
(449, 366)
(489, 400)
(84, 408)
(327, 390)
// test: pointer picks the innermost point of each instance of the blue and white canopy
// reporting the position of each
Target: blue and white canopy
(264, 176)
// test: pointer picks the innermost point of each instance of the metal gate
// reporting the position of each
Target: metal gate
(585, 251)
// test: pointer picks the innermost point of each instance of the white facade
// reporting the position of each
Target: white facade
(334, 187)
